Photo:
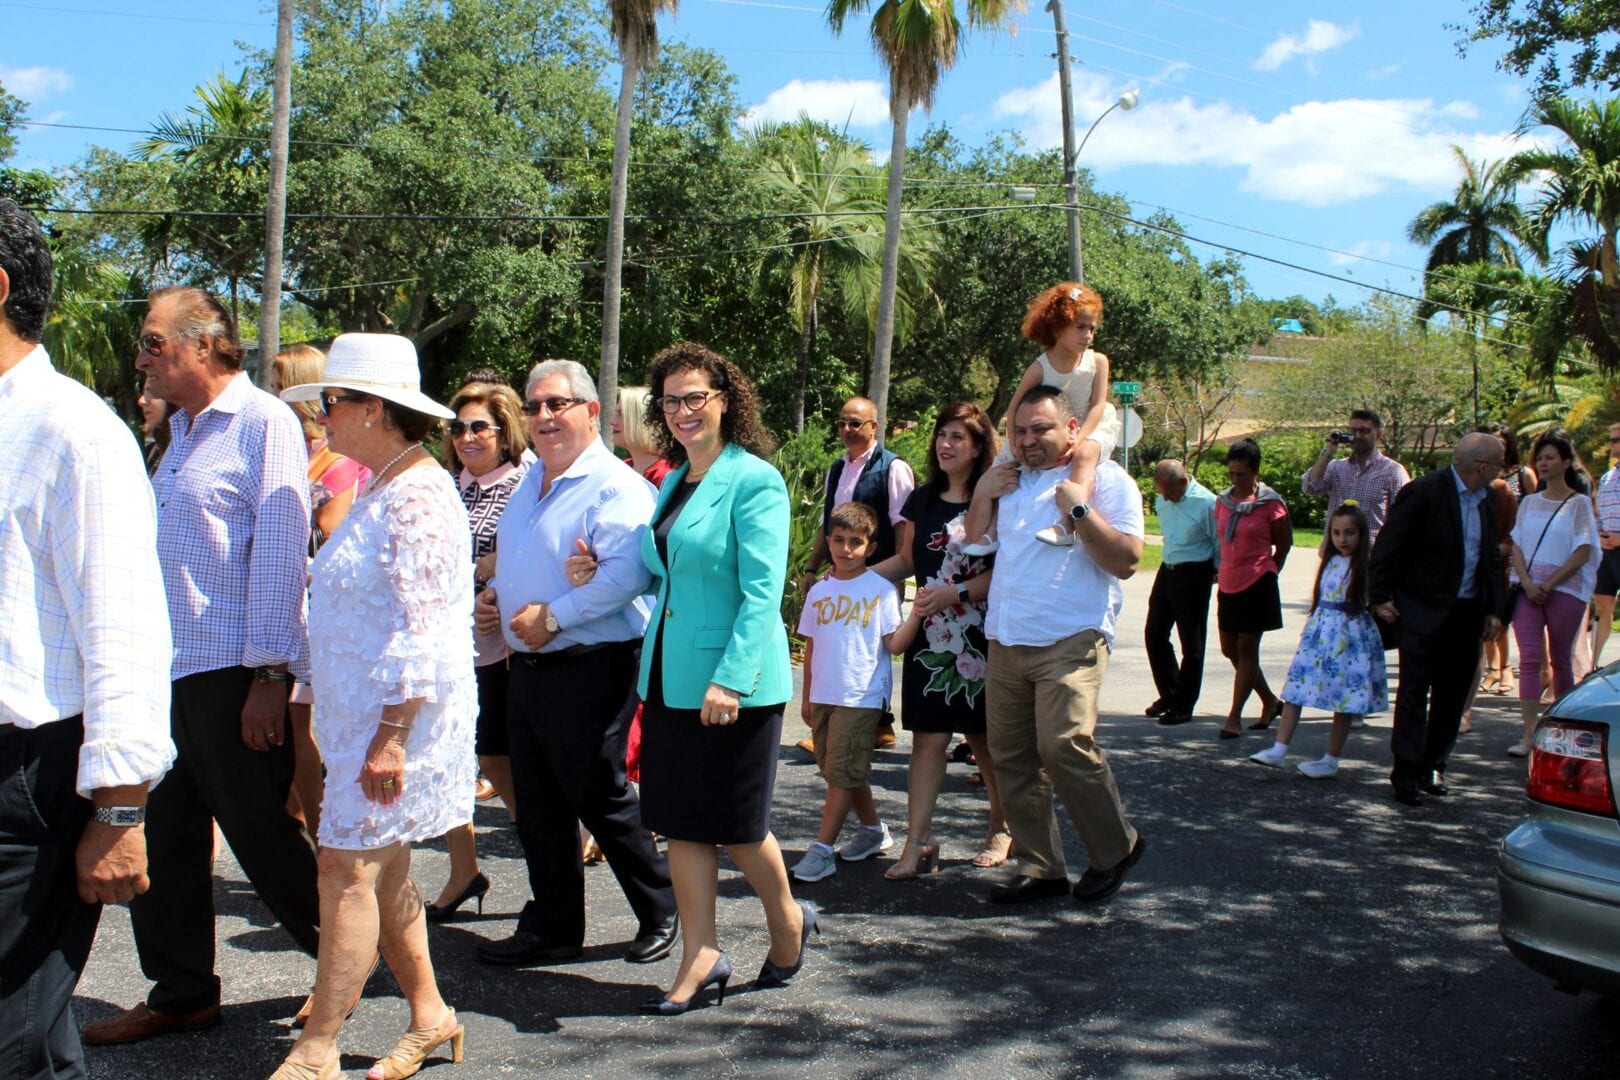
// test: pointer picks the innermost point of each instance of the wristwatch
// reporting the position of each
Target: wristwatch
(1078, 512)
(551, 623)
(124, 817)
(961, 594)
(270, 674)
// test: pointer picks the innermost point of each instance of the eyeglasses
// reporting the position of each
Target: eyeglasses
(694, 401)
(477, 427)
(854, 425)
(151, 343)
(329, 400)
(552, 405)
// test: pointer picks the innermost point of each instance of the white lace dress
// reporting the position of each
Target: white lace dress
(390, 620)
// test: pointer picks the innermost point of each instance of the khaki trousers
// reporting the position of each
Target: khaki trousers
(1041, 711)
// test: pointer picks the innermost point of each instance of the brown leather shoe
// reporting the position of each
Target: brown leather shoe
(133, 1025)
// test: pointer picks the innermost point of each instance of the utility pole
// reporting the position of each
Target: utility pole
(275, 211)
(1071, 194)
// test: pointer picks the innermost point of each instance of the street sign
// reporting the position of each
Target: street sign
(1131, 388)
(1132, 425)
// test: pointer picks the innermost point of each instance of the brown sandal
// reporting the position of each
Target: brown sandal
(413, 1048)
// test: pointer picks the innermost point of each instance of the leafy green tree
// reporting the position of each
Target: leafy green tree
(917, 41)
(1581, 186)
(1481, 222)
(1567, 43)
(29, 187)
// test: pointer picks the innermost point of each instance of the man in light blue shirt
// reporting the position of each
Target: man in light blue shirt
(1180, 596)
(574, 658)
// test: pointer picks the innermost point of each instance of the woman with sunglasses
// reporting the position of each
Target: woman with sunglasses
(484, 447)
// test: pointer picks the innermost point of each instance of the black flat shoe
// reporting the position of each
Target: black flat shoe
(475, 890)
(1267, 717)
(1095, 885)
(1231, 734)
(1406, 793)
(524, 947)
(1434, 784)
(770, 974)
(1024, 887)
(719, 975)
(1157, 709)
(1171, 719)
(655, 942)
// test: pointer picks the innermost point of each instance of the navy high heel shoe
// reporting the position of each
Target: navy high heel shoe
(719, 975)
(475, 890)
(770, 974)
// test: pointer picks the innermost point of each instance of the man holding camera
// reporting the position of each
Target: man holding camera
(1366, 476)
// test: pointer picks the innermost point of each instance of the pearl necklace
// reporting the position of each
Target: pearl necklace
(377, 476)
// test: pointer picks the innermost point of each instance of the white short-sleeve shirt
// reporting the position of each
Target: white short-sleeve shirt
(846, 622)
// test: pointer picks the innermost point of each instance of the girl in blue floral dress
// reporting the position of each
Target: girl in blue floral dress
(1339, 665)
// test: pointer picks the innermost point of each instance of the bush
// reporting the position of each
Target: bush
(803, 462)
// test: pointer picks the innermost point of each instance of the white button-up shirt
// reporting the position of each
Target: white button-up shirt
(597, 500)
(1041, 594)
(81, 595)
(233, 532)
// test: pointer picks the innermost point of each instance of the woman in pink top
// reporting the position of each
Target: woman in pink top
(1252, 521)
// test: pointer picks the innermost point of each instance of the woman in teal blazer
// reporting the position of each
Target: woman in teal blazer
(714, 667)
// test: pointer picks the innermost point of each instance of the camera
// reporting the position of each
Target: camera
(1343, 438)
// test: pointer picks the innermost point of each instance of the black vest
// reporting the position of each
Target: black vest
(872, 488)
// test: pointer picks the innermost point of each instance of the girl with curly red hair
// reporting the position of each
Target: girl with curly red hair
(1063, 320)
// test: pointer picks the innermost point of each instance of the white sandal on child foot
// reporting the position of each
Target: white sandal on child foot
(1055, 536)
(1318, 770)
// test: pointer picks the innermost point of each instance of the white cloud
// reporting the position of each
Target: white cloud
(1320, 36)
(1317, 153)
(1364, 249)
(34, 84)
(1386, 71)
(856, 102)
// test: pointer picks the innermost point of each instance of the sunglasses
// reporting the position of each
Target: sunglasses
(480, 428)
(693, 401)
(151, 343)
(853, 425)
(553, 406)
(329, 400)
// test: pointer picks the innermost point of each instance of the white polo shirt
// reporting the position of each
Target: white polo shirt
(1039, 594)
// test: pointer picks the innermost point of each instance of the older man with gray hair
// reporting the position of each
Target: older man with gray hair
(574, 661)
(1180, 596)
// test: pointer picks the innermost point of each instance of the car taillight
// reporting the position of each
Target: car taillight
(1569, 766)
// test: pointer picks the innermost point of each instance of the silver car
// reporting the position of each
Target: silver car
(1559, 869)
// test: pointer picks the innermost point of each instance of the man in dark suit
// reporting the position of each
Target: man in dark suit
(1435, 568)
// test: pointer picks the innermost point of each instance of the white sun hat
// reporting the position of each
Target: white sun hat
(382, 365)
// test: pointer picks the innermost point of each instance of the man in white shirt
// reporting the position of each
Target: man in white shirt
(1051, 621)
(84, 668)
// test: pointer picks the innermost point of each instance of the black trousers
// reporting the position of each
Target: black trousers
(45, 929)
(1179, 600)
(217, 777)
(569, 718)
(1437, 670)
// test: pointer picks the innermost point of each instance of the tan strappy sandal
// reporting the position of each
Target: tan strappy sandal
(413, 1048)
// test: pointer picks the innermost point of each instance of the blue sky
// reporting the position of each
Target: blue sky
(1325, 124)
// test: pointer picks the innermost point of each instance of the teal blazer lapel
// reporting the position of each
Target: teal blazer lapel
(710, 490)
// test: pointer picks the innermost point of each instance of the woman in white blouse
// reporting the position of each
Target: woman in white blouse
(1555, 552)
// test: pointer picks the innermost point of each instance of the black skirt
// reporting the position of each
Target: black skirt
(707, 784)
(1252, 611)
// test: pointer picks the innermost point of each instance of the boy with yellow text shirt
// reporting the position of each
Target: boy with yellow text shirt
(849, 625)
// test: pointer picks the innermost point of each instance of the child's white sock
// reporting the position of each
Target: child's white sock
(1280, 746)
(814, 844)
(1330, 759)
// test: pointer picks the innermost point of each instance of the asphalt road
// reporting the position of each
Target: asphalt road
(1277, 927)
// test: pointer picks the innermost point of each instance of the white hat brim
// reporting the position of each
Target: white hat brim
(414, 400)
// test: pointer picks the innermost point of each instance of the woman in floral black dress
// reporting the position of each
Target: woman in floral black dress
(943, 687)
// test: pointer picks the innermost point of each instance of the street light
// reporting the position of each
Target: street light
(1071, 153)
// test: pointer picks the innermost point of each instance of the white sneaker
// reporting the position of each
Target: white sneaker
(1055, 536)
(1518, 750)
(981, 547)
(817, 863)
(1272, 755)
(1319, 770)
(867, 842)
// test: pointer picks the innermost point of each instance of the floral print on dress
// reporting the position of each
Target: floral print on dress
(955, 654)
(1339, 665)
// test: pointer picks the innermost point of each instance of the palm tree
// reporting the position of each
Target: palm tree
(917, 40)
(835, 238)
(1481, 223)
(218, 145)
(1581, 185)
(635, 31)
